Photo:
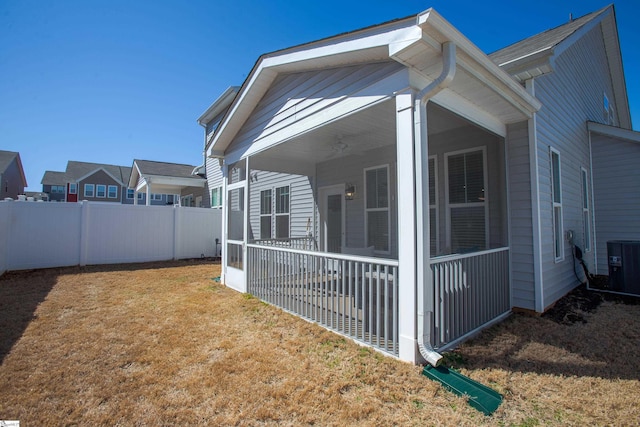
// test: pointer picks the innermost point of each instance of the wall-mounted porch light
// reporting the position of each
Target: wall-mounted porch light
(349, 191)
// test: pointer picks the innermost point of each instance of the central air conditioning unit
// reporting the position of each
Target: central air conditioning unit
(624, 267)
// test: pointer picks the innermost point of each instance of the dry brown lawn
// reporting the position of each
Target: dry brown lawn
(164, 344)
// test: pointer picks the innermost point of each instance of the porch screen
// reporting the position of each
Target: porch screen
(236, 214)
(377, 208)
(467, 201)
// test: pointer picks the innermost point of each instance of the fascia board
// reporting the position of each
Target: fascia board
(486, 66)
(174, 181)
(614, 132)
(326, 53)
(135, 175)
(21, 170)
(219, 105)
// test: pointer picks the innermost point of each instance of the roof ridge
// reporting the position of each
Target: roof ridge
(585, 18)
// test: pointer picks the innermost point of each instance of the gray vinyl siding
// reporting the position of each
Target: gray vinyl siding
(571, 95)
(520, 211)
(350, 169)
(290, 105)
(616, 187)
(301, 202)
(214, 175)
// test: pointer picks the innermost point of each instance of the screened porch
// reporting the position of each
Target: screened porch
(322, 227)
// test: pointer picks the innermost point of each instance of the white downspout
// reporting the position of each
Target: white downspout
(425, 297)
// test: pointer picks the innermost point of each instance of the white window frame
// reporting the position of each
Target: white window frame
(109, 187)
(130, 193)
(387, 209)
(156, 197)
(104, 191)
(557, 220)
(433, 204)
(277, 214)
(141, 196)
(218, 192)
(485, 203)
(73, 188)
(93, 190)
(586, 210)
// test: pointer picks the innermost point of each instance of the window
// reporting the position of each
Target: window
(73, 188)
(282, 212)
(57, 189)
(101, 190)
(140, 196)
(433, 206)
(88, 190)
(605, 108)
(466, 201)
(216, 198)
(586, 221)
(113, 192)
(265, 214)
(156, 197)
(130, 193)
(377, 207)
(556, 197)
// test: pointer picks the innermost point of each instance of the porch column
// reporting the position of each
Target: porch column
(135, 197)
(148, 193)
(407, 314)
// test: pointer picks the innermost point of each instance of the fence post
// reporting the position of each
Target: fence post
(176, 231)
(5, 238)
(84, 233)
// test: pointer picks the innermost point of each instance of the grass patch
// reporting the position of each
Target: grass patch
(161, 343)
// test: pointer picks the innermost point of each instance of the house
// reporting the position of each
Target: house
(444, 187)
(12, 178)
(95, 182)
(54, 184)
(161, 183)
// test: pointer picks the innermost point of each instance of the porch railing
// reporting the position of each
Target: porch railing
(470, 291)
(303, 243)
(355, 296)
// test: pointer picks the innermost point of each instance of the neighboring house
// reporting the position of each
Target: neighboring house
(161, 183)
(12, 178)
(423, 159)
(54, 184)
(95, 182)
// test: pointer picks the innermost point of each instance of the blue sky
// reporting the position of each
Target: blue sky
(112, 81)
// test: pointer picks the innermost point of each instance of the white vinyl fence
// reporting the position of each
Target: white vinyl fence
(43, 235)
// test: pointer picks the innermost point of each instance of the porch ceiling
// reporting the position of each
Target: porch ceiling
(369, 129)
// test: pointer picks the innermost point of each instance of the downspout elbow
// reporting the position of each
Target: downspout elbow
(445, 77)
(442, 81)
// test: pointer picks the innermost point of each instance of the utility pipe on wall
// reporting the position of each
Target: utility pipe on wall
(425, 296)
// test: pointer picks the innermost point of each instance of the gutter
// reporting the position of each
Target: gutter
(425, 298)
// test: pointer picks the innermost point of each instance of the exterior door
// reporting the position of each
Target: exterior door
(333, 218)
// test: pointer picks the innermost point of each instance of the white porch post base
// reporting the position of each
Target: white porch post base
(408, 349)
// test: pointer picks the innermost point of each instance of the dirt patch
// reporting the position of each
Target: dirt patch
(573, 306)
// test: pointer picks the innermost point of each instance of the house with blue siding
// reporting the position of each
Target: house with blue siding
(403, 188)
